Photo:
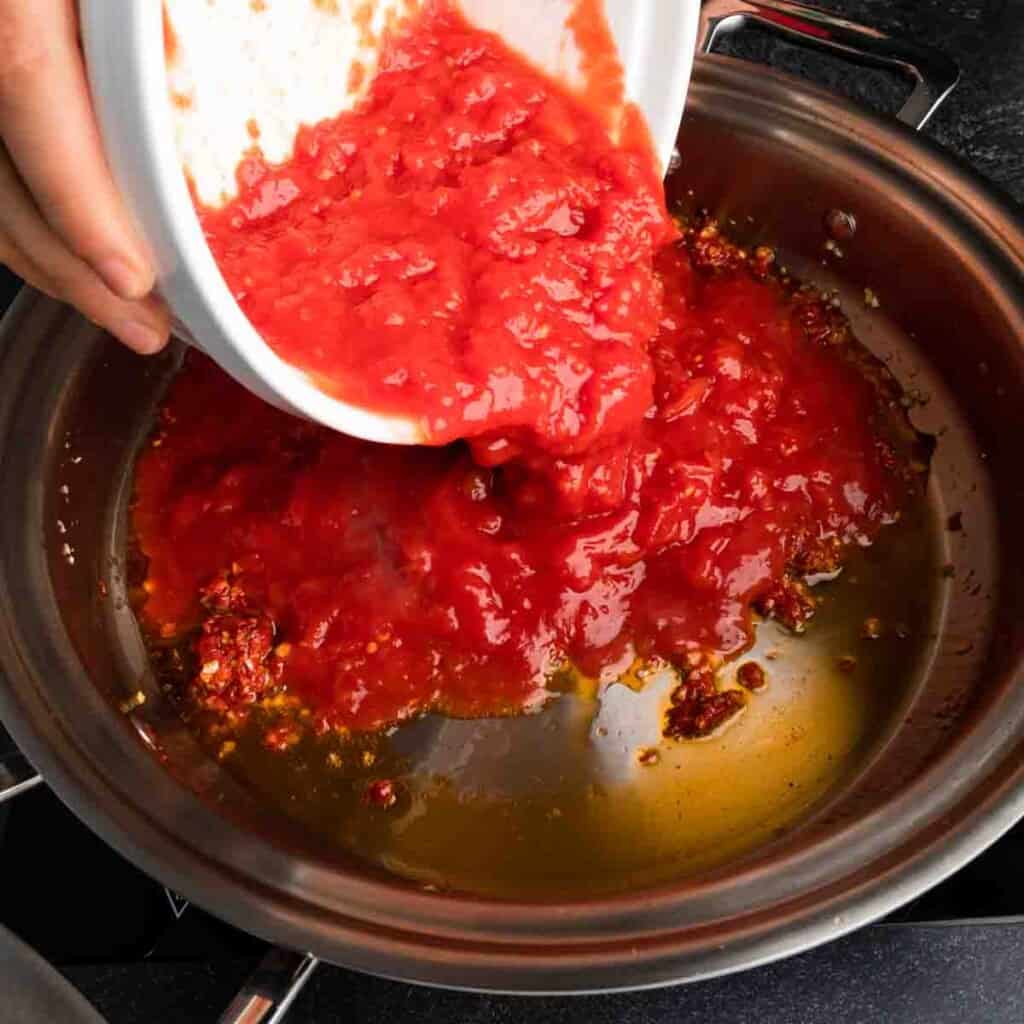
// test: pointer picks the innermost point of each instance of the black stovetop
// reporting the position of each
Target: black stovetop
(955, 954)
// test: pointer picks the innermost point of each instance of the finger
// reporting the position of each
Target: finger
(49, 128)
(29, 246)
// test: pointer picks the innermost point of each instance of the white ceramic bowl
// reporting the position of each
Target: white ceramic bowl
(127, 65)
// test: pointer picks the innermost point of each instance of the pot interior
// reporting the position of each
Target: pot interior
(584, 798)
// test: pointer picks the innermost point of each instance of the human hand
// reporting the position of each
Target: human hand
(63, 227)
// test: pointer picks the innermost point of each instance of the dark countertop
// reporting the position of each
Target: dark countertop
(903, 974)
(906, 972)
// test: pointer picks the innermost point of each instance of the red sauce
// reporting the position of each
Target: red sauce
(665, 436)
(170, 37)
(467, 248)
(402, 579)
(604, 91)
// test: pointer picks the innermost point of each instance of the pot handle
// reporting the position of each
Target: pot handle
(270, 990)
(933, 74)
(16, 774)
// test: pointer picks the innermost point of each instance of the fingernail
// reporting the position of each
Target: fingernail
(122, 278)
(140, 337)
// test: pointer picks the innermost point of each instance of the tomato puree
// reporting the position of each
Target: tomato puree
(374, 582)
(467, 248)
(664, 436)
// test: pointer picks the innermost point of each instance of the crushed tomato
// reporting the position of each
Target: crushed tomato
(405, 579)
(663, 436)
(467, 249)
